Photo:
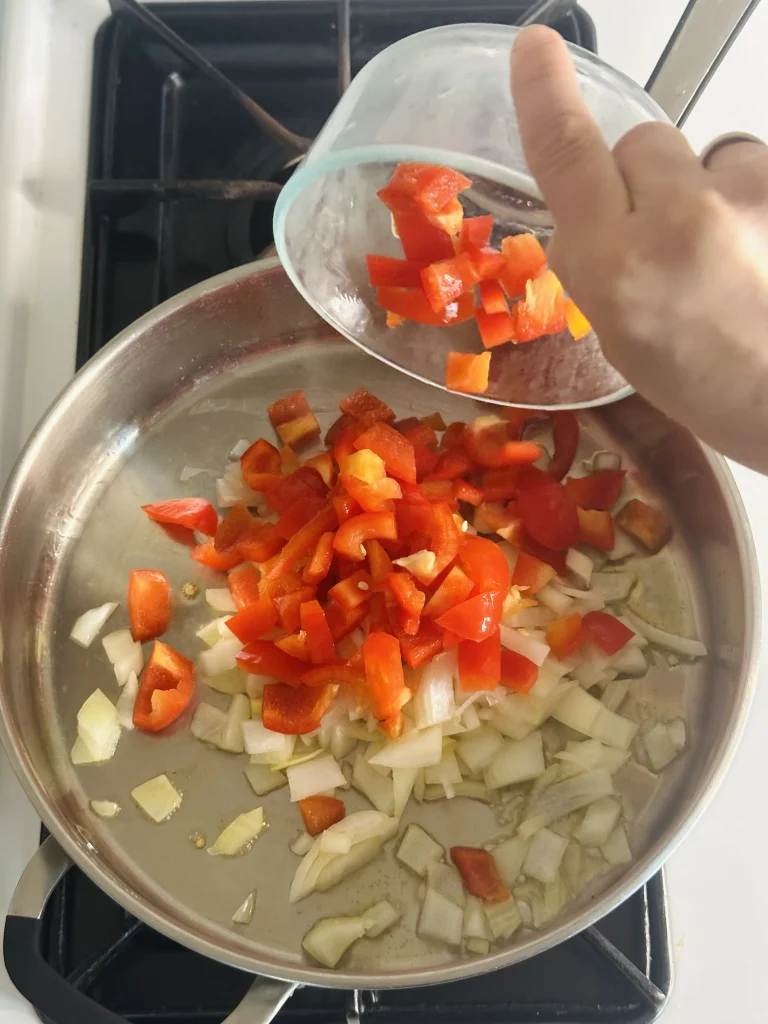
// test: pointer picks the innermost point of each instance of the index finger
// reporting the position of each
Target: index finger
(563, 145)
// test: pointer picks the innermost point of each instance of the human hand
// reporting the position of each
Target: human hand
(667, 258)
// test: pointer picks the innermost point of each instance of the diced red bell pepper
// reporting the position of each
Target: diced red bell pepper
(243, 584)
(500, 484)
(554, 558)
(421, 241)
(453, 436)
(260, 464)
(542, 311)
(517, 673)
(488, 262)
(149, 603)
(565, 635)
(445, 281)
(297, 515)
(320, 812)
(192, 513)
(439, 490)
(480, 663)
(452, 463)
(419, 433)
(386, 683)
(392, 447)
(492, 298)
(323, 464)
(409, 598)
(344, 673)
(434, 421)
(261, 657)
(454, 590)
(606, 631)
(252, 622)
(495, 515)
(289, 608)
(487, 442)
(379, 562)
(479, 873)
(445, 536)
(647, 525)
(289, 459)
(578, 324)
(531, 573)
(419, 649)
(476, 232)
(238, 524)
(293, 419)
(345, 507)
(314, 624)
(427, 186)
(301, 543)
(524, 258)
(166, 689)
(348, 592)
(450, 639)
(296, 645)
(263, 543)
(377, 497)
(449, 218)
(465, 491)
(295, 711)
(220, 561)
(476, 618)
(484, 563)
(596, 529)
(467, 373)
(288, 583)
(425, 459)
(600, 490)
(495, 328)
(547, 512)
(362, 403)
(415, 306)
(319, 565)
(565, 434)
(305, 484)
(352, 534)
(388, 272)
(341, 621)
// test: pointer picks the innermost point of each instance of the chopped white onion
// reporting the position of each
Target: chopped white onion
(606, 460)
(614, 694)
(480, 947)
(238, 713)
(509, 857)
(678, 644)
(377, 788)
(314, 777)
(469, 789)
(238, 448)
(616, 850)
(189, 472)
(220, 599)
(220, 658)
(446, 774)
(230, 682)
(118, 645)
(527, 646)
(581, 711)
(445, 879)
(660, 746)
(335, 842)
(530, 618)
(276, 754)
(98, 726)
(591, 754)
(302, 844)
(477, 749)
(417, 749)
(87, 627)
(417, 850)
(440, 919)
(239, 835)
(516, 761)
(599, 822)
(612, 586)
(555, 599)
(474, 925)
(263, 780)
(564, 798)
(80, 754)
(132, 664)
(329, 939)
(503, 918)
(157, 798)
(379, 918)
(420, 564)
(214, 631)
(232, 489)
(630, 661)
(244, 913)
(579, 565)
(127, 701)
(623, 548)
(545, 853)
(434, 701)
(105, 808)
(342, 866)
(403, 780)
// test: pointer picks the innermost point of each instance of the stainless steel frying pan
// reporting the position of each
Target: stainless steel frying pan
(177, 389)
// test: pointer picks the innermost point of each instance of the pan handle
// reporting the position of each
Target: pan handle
(51, 994)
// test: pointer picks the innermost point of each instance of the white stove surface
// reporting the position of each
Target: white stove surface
(718, 895)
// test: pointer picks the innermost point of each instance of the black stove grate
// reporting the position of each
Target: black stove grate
(181, 186)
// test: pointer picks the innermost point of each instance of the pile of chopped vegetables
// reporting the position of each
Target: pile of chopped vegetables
(451, 273)
(418, 610)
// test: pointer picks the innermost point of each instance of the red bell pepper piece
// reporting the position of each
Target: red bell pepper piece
(492, 297)
(565, 434)
(348, 592)
(296, 645)
(422, 242)
(261, 657)
(596, 529)
(500, 484)
(319, 565)
(345, 507)
(476, 618)
(445, 281)
(524, 258)
(647, 525)
(409, 598)
(193, 513)
(464, 491)
(292, 487)
(362, 403)
(496, 516)
(289, 608)
(467, 373)
(517, 673)
(295, 711)
(547, 512)
(323, 464)
(254, 621)
(297, 515)
(449, 218)
(320, 812)
(166, 689)
(149, 603)
(238, 524)
(599, 490)
(351, 535)
(578, 324)
(419, 649)
(288, 583)
(488, 262)
(480, 663)
(263, 543)
(243, 584)
(260, 464)
(531, 572)
(555, 559)
(220, 561)
(392, 447)
(445, 537)
(415, 306)
(293, 419)
(495, 328)
(387, 272)
(607, 632)
(452, 463)
(386, 683)
(341, 621)
(565, 635)
(377, 497)
(480, 874)
(487, 442)
(319, 639)
(476, 232)
(542, 311)
(301, 543)
(484, 563)
(419, 433)
(379, 562)
(427, 186)
(454, 590)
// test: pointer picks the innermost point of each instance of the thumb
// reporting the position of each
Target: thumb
(563, 145)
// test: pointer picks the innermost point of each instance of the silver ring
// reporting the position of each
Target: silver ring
(729, 139)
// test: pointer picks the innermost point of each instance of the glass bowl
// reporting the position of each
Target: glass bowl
(441, 97)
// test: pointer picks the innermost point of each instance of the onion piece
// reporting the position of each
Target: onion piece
(98, 725)
(623, 548)
(480, 947)
(378, 788)
(329, 939)
(469, 788)
(672, 642)
(440, 919)
(516, 761)
(80, 754)
(379, 918)
(403, 780)
(545, 853)
(477, 749)
(335, 842)
(277, 754)
(127, 701)
(474, 925)
(157, 798)
(420, 564)
(232, 489)
(445, 879)
(503, 918)
(446, 774)
(88, 625)
(237, 715)
(616, 850)
(118, 645)
(220, 658)
(238, 448)
(214, 631)
(630, 661)
(530, 618)
(240, 834)
(434, 701)
(581, 711)
(220, 599)
(564, 798)
(614, 694)
(417, 850)
(302, 844)
(105, 808)
(130, 665)
(599, 822)
(418, 749)
(342, 866)
(612, 586)
(579, 565)
(244, 913)
(509, 857)
(589, 755)
(660, 746)
(317, 776)
(555, 599)
(527, 646)
(605, 460)
(263, 779)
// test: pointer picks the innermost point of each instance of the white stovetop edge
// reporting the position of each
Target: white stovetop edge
(718, 896)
